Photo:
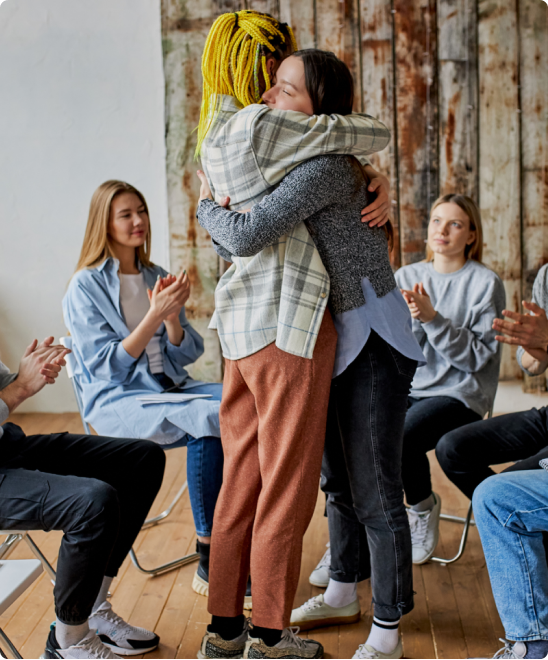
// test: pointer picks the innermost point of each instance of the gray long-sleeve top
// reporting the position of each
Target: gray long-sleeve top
(5, 379)
(328, 194)
(539, 297)
(462, 354)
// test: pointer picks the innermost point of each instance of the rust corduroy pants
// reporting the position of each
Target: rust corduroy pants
(273, 418)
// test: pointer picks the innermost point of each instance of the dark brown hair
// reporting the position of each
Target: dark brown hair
(330, 86)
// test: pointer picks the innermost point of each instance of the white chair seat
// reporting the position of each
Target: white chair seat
(16, 575)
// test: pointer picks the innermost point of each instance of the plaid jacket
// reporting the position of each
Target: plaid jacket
(281, 293)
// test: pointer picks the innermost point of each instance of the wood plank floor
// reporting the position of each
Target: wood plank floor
(454, 615)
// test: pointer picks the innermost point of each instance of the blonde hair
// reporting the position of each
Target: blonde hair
(468, 205)
(97, 246)
(235, 52)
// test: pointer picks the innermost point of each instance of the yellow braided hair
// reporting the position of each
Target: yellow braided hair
(234, 54)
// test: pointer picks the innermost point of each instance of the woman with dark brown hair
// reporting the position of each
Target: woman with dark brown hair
(372, 369)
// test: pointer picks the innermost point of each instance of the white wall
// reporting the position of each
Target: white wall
(81, 101)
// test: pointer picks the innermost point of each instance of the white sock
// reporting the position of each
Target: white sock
(425, 505)
(68, 635)
(340, 594)
(384, 635)
(103, 593)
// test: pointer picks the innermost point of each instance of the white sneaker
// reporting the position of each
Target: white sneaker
(290, 646)
(320, 575)
(511, 650)
(120, 636)
(425, 531)
(315, 613)
(366, 651)
(91, 648)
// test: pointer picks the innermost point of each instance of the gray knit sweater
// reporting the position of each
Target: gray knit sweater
(327, 193)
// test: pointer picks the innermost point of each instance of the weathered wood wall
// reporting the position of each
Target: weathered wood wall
(463, 84)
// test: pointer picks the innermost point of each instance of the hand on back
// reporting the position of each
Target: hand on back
(169, 296)
(419, 303)
(527, 330)
(40, 365)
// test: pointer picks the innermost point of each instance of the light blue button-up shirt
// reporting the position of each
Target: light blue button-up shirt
(388, 316)
(110, 380)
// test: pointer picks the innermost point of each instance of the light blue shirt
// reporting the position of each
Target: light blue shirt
(110, 380)
(388, 316)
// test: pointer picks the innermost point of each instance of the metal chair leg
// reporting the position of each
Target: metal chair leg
(163, 568)
(162, 516)
(6, 642)
(38, 554)
(467, 523)
(11, 541)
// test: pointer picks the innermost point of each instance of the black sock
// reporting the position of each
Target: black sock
(270, 636)
(537, 649)
(228, 627)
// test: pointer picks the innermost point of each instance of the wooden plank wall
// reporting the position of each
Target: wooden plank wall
(463, 84)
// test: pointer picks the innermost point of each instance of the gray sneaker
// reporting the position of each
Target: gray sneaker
(320, 575)
(515, 650)
(214, 646)
(290, 646)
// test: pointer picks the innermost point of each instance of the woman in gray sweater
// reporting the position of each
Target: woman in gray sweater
(376, 359)
(453, 299)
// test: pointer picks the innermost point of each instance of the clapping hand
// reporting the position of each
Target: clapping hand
(40, 364)
(419, 303)
(169, 296)
(527, 330)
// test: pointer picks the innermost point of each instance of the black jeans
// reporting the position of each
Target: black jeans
(97, 490)
(466, 454)
(427, 420)
(361, 475)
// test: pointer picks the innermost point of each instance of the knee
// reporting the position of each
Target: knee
(99, 506)
(149, 459)
(450, 448)
(487, 496)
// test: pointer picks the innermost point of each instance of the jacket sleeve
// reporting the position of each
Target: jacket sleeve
(300, 195)
(283, 139)
(98, 344)
(190, 348)
(469, 349)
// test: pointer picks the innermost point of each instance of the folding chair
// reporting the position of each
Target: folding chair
(151, 522)
(466, 521)
(16, 575)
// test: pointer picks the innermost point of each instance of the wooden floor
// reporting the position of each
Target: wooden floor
(454, 615)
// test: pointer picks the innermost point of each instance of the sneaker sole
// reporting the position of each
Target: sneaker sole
(200, 586)
(122, 651)
(233, 657)
(330, 621)
(317, 583)
(254, 653)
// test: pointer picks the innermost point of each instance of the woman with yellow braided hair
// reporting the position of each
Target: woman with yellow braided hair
(276, 333)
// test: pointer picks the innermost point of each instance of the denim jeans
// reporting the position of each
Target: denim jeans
(204, 468)
(427, 420)
(511, 513)
(361, 475)
(97, 490)
(466, 453)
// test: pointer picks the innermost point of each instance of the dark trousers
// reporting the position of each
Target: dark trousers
(427, 420)
(97, 490)
(361, 475)
(466, 453)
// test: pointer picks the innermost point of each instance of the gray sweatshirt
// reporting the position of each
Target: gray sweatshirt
(5, 379)
(539, 297)
(462, 354)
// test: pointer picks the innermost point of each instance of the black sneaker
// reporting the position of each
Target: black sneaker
(90, 647)
(200, 583)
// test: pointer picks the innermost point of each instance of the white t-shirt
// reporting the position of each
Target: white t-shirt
(135, 305)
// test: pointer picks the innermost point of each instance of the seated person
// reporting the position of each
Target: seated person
(98, 490)
(132, 338)
(466, 453)
(453, 299)
(511, 513)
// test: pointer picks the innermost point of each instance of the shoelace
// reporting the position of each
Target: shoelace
(325, 561)
(95, 647)
(311, 604)
(290, 635)
(111, 616)
(362, 652)
(506, 651)
(419, 527)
